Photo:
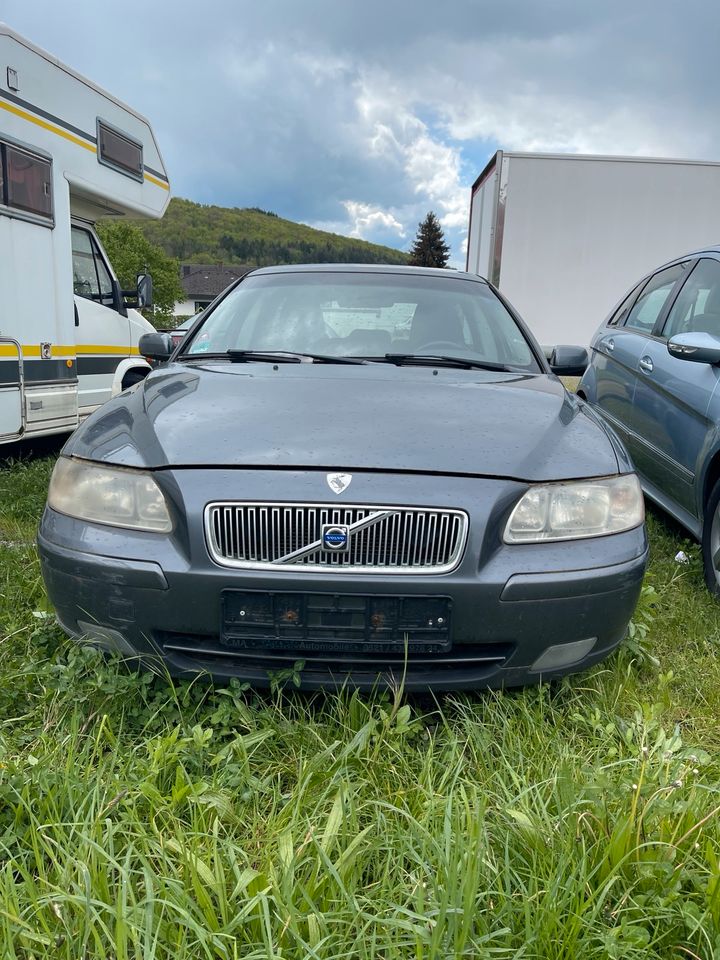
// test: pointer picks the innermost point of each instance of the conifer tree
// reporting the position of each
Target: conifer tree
(429, 248)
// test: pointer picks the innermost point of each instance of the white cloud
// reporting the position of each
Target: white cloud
(433, 168)
(430, 165)
(367, 219)
(426, 169)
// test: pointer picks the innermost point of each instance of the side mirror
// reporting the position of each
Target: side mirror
(144, 290)
(155, 346)
(700, 347)
(569, 361)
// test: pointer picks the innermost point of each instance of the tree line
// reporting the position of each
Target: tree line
(260, 252)
(199, 233)
(134, 249)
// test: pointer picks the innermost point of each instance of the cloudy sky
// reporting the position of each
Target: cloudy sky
(361, 116)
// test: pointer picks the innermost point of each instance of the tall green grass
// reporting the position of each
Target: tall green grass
(144, 819)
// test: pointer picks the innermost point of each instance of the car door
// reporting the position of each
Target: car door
(614, 358)
(618, 350)
(102, 327)
(673, 395)
(11, 400)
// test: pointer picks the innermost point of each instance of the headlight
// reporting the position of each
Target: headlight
(100, 494)
(585, 508)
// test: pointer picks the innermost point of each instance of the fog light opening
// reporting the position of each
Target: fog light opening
(563, 655)
(107, 638)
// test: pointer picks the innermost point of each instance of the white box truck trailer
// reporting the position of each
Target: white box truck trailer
(563, 236)
(70, 153)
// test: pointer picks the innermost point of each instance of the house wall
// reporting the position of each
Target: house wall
(185, 308)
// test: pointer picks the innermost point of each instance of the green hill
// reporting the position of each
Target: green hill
(196, 233)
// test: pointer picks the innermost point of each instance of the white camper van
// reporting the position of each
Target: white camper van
(70, 153)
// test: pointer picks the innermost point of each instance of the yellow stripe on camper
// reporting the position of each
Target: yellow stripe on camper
(97, 349)
(159, 183)
(47, 126)
(58, 131)
(58, 351)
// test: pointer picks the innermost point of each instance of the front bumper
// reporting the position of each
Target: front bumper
(162, 597)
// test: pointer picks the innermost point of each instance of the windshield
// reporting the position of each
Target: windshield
(364, 315)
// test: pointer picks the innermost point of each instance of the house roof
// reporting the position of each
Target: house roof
(200, 281)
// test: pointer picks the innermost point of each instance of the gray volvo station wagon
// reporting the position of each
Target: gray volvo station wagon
(371, 470)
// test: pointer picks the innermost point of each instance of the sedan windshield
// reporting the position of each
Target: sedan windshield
(376, 316)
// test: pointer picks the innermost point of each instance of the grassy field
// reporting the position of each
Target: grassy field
(144, 820)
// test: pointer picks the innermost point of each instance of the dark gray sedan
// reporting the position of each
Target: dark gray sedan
(371, 470)
(666, 409)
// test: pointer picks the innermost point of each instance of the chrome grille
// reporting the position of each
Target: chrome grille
(382, 539)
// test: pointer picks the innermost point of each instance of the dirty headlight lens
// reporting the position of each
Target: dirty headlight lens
(111, 495)
(568, 511)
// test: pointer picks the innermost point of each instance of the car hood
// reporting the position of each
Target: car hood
(331, 417)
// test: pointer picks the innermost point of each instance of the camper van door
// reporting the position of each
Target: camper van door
(102, 334)
(10, 388)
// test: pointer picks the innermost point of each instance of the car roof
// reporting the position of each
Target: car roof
(713, 251)
(382, 268)
(703, 251)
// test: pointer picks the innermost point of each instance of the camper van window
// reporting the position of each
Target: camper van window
(91, 278)
(26, 182)
(120, 152)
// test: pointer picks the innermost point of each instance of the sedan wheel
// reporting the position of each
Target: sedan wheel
(711, 542)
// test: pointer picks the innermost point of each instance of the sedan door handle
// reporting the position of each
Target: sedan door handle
(646, 364)
(609, 344)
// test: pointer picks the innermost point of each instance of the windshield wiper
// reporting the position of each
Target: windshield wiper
(288, 356)
(422, 360)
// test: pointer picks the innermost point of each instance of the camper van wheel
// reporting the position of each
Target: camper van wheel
(132, 377)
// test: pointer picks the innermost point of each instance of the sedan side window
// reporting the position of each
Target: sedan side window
(649, 305)
(618, 318)
(697, 308)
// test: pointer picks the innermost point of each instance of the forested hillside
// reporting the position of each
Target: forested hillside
(196, 233)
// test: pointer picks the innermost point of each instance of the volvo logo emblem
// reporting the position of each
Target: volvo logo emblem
(335, 537)
(338, 481)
